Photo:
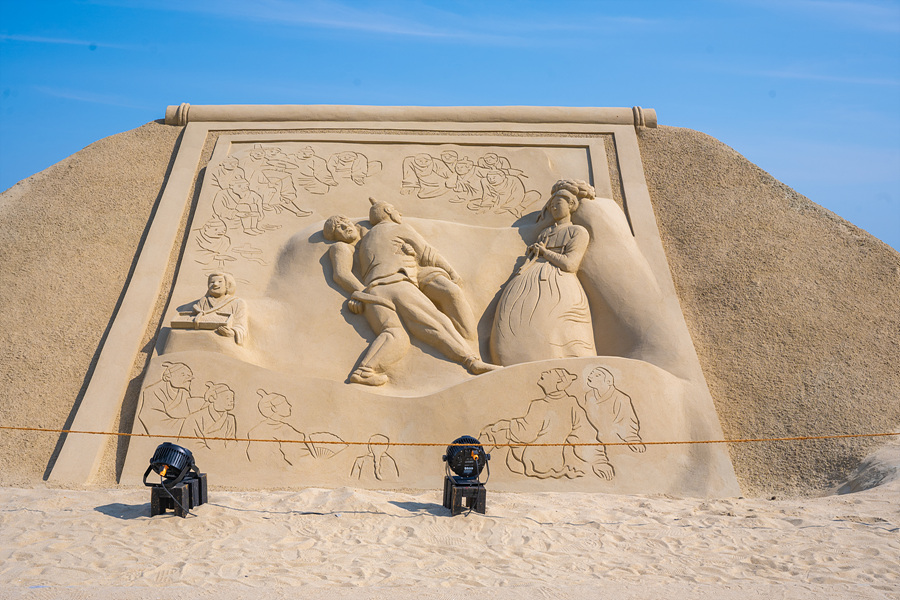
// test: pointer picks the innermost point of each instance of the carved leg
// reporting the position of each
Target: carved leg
(450, 299)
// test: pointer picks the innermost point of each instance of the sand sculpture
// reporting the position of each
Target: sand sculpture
(492, 272)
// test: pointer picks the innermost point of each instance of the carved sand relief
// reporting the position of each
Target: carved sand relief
(219, 310)
(292, 444)
(404, 287)
(376, 463)
(543, 310)
(487, 184)
(369, 322)
(594, 413)
(169, 408)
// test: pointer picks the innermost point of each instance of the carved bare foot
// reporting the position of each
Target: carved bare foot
(476, 366)
(637, 447)
(605, 471)
(368, 376)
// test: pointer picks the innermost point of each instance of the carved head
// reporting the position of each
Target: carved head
(572, 191)
(601, 380)
(230, 163)
(273, 406)
(346, 156)
(178, 375)
(220, 395)
(257, 152)
(422, 160)
(491, 159)
(464, 166)
(496, 177)
(449, 156)
(306, 152)
(220, 284)
(381, 211)
(240, 186)
(214, 228)
(556, 380)
(272, 151)
(339, 228)
(378, 444)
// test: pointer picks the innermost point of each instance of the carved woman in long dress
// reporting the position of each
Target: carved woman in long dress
(543, 311)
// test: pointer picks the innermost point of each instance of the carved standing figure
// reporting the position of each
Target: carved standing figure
(543, 311)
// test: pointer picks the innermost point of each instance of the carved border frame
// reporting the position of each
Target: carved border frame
(79, 459)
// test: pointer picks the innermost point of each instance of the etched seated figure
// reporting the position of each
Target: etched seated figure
(543, 311)
(219, 310)
(404, 284)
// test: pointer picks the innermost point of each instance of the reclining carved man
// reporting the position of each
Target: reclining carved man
(405, 285)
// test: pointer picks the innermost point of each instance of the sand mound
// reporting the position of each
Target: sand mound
(354, 544)
(794, 311)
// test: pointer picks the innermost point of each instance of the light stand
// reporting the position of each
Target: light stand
(182, 487)
(466, 458)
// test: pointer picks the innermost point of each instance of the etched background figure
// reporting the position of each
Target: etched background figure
(275, 409)
(554, 419)
(611, 413)
(168, 402)
(310, 171)
(213, 244)
(215, 419)
(543, 311)
(376, 462)
(227, 172)
(354, 166)
(425, 175)
(501, 192)
(392, 256)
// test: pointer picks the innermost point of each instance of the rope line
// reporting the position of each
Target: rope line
(507, 445)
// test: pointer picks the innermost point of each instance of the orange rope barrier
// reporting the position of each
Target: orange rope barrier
(508, 445)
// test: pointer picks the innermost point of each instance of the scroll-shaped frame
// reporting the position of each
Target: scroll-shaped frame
(604, 153)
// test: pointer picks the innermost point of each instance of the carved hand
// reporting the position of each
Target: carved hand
(637, 447)
(538, 248)
(355, 306)
(225, 331)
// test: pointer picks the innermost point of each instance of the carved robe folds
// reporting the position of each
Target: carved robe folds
(543, 311)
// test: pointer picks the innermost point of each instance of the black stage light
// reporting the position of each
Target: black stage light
(181, 480)
(466, 458)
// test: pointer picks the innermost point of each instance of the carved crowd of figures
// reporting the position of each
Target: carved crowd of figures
(170, 408)
(488, 184)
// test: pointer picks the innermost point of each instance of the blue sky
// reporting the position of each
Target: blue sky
(809, 90)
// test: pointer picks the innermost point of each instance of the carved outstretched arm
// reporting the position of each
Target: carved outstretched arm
(341, 254)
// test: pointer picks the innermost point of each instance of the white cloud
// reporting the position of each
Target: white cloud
(33, 39)
(869, 16)
(90, 97)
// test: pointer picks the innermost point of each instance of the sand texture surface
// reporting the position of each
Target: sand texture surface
(347, 543)
(795, 312)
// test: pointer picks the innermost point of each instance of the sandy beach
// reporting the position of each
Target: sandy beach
(794, 315)
(350, 543)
